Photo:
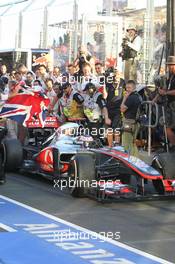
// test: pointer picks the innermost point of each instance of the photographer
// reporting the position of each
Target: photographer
(170, 94)
(131, 47)
(83, 58)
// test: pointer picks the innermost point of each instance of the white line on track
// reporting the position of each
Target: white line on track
(150, 241)
(7, 228)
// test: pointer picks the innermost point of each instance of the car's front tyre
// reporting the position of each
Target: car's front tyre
(81, 173)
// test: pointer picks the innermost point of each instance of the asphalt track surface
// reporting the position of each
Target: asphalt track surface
(145, 225)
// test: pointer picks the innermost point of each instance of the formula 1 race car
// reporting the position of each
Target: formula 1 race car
(68, 154)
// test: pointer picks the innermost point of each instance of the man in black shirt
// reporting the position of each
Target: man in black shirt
(129, 108)
(170, 93)
(115, 91)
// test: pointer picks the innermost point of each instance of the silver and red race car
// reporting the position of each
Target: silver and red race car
(68, 154)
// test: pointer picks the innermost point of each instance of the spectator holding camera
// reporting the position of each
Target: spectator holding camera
(82, 58)
(131, 47)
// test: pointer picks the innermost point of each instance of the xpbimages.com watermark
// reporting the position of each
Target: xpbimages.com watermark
(73, 183)
(101, 132)
(70, 235)
(100, 80)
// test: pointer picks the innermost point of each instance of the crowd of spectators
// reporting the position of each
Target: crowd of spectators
(86, 92)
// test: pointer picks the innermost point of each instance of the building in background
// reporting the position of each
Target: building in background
(101, 35)
(110, 7)
(63, 25)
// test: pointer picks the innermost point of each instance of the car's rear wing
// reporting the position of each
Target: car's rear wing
(50, 122)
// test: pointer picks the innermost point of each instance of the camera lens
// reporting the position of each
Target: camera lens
(82, 59)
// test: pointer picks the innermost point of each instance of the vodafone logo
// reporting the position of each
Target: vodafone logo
(48, 156)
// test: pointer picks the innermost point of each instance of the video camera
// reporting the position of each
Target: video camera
(110, 72)
(124, 42)
(127, 52)
(82, 57)
(160, 81)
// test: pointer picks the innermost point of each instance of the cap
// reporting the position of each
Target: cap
(89, 86)
(66, 85)
(131, 27)
(171, 60)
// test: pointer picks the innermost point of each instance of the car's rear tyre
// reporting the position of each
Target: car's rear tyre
(13, 154)
(2, 170)
(164, 163)
(3, 132)
(81, 173)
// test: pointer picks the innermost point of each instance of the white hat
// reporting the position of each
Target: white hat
(131, 27)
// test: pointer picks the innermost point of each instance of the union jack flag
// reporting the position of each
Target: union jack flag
(26, 107)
